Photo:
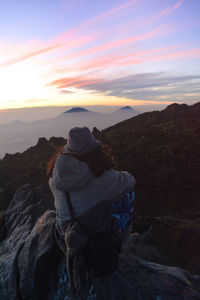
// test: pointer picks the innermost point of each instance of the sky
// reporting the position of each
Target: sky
(90, 52)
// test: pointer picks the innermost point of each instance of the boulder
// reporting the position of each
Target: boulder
(6, 195)
(170, 241)
(2, 229)
(33, 268)
(27, 205)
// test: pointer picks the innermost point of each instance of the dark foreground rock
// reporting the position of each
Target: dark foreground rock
(6, 195)
(32, 267)
(170, 241)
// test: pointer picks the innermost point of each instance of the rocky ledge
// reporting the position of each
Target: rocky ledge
(32, 267)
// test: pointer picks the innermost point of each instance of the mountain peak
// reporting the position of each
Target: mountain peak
(175, 107)
(125, 107)
(76, 109)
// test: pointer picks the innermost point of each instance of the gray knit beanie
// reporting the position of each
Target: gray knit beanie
(80, 140)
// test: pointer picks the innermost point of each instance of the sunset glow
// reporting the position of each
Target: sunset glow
(88, 53)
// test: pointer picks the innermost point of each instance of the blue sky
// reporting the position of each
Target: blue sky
(112, 52)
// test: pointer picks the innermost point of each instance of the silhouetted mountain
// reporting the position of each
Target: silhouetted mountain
(128, 110)
(17, 137)
(76, 109)
(125, 107)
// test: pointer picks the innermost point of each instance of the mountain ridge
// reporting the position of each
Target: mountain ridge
(19, 137)
(161, 149)
(154, 136)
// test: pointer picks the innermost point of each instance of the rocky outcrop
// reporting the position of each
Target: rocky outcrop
(138, 279)
(25, 254)
(6, 195)
(32, 267)
(169, 241)
(2, 230)
(29, 166)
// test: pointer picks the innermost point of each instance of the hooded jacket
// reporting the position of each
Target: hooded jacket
(86, 190)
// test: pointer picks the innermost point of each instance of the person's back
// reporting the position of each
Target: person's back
(86, 190)
(85, 169)
(88, 175)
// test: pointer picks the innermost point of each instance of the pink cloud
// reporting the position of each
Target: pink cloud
(96, 67)
(112, 12)
(94, 21)
(168, 11)
(77, 82)
(149, 55)
(27, 55)
(64, 39)
(138, 57)
(82, 40)
(69, 40)
(106, 61)
(118, 43)
(185, 54)
(177, 5)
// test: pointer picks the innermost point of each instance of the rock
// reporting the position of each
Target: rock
(170, 241)
(33, 268)
(27, 205)
(2, 229)
(24, 210)
(138, 279)
(6, 195)
(31, 165)
(29, 265)
(39, 259)
(130, 242)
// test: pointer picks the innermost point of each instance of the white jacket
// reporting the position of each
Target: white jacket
(86, 190)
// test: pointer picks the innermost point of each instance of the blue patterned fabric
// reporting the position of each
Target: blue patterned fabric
(122, 211)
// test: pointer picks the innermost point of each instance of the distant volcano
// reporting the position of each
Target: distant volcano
(76, 109)
(125, 107)
(127, 110)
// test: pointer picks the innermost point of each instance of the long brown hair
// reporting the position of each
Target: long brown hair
(99, 160)
(52, 161)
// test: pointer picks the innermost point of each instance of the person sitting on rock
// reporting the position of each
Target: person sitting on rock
(88, 191)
